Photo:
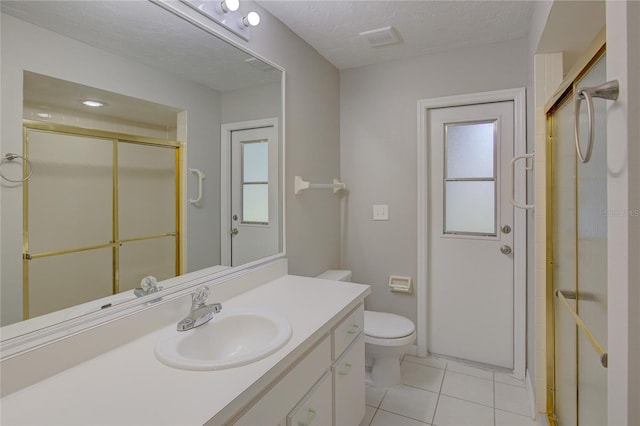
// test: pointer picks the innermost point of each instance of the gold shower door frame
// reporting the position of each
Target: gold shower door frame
(115, 243)
(564, 94)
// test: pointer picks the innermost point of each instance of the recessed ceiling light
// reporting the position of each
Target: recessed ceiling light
(93, 104)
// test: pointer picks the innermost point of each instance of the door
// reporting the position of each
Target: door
(579, 268)
(471, 271)
(254, 194)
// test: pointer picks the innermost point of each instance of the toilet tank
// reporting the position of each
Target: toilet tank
(336, 275)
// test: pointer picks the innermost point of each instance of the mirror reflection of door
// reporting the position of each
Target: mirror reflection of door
(254, 194)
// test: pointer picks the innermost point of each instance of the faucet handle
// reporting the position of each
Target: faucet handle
(149, 283)
(200, 296)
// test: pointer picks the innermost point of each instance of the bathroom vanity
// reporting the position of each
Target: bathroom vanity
(316, 378)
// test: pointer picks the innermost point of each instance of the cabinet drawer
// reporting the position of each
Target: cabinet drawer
(315, 409)
(274, 406)
(349, 383)
(347, 331)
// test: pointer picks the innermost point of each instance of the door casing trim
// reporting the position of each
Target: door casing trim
(518, 96)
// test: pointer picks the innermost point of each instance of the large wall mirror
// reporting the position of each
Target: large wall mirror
(178, 170)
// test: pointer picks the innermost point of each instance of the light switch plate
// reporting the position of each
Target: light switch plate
(380, 212)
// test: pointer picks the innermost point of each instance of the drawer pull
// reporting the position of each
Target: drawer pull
(311, 414)
(346, 369)
(353, 329)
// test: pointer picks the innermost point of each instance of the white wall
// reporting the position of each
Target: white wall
(26, 47)
(378, 133)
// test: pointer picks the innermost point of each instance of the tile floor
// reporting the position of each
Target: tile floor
(445, 393)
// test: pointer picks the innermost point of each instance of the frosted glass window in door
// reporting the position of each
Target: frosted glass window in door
(470, 178)
(255, 182)
(470, 150)
(470, 207)
(255, 167)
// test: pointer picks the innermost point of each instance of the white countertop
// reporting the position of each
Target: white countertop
(129, 386)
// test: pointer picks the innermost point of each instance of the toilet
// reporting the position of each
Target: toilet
(387, 338)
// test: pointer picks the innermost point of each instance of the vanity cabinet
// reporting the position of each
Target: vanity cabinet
(273, 408)
(315, 409)
(348, 370)
(323, 388)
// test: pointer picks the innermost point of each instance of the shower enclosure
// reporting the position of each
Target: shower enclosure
(101, 212)
(577, 252)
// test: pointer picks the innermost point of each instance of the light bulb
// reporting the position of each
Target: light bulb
(94, 104)
(229, 5)
(251, 20)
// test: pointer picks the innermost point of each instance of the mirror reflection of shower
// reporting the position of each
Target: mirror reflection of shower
(102, 208)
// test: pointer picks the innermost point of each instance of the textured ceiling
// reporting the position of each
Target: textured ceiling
(146, 33)
(426, 26)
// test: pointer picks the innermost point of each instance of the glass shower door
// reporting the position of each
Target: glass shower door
(580, 259)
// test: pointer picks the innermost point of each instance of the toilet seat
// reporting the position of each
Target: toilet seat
(383, 325)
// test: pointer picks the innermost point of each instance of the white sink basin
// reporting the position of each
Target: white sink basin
(232, 338)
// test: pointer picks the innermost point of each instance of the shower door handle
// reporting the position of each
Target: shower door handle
(505, 249)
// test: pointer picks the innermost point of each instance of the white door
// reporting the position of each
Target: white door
(254, 194)
(470, 273)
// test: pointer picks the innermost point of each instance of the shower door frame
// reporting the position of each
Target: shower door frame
(116, 138)
(563, 94)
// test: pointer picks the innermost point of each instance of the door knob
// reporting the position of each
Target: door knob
(234, 231)
(505, 249)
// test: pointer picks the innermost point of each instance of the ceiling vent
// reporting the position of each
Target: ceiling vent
(381, 37)
(258, 64)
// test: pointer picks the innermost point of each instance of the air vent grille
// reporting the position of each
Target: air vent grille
(381, 37)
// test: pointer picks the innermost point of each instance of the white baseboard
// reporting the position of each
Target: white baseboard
(532, 395)
(413, 350)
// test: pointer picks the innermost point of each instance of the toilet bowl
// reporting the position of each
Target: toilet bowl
(387, 338)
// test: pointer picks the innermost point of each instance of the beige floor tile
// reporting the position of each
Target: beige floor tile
(410, 402)
(422, 376)
(469, 370)
(504, 418)
(513, 399)
(469, 388)
(457, 412)
(383, 418)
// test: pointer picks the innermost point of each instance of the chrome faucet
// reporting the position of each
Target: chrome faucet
(148, 285)
(200, 313)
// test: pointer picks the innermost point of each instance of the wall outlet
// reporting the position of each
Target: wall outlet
(380, 212)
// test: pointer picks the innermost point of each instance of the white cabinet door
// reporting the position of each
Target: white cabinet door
(349, 382)
(316, 407)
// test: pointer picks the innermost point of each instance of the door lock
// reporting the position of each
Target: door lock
(506, 229)
(505, 249)
(234, 231)
(235, 217)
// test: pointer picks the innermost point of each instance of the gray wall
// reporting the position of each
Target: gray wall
(312, 120)
(378, 133)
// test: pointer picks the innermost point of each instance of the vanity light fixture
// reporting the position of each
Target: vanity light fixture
(227, 14)
(92, 103)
